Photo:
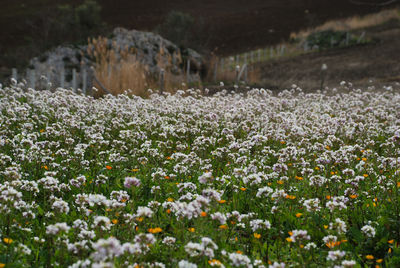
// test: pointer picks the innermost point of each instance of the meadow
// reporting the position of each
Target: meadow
(255, 179)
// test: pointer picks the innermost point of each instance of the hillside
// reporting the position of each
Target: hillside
(233, 27)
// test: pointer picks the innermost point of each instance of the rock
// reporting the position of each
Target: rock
(146, 46)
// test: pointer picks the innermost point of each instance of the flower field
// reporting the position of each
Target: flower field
(259, 179)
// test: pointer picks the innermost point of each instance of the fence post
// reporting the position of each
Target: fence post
(14, 73)
(222, 64)
(237, 74)
(187, 71)
(48, 84)
(271, 52)
(62, 78)
(162, 73)
(84, 80)
(32, 79)
(361, 37)
(215, 70)
(74, 80)
(245, 74)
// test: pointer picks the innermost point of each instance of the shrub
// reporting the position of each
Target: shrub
(177, 28)
(329, 38)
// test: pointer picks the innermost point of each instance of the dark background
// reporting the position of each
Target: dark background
(227, 27)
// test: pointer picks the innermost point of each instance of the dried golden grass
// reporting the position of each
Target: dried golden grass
(352, 23)
(120, 70)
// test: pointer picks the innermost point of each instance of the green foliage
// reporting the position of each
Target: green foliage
(329, 39)
(177, 28)
(87, 15)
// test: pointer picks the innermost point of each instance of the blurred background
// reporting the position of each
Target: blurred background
(208, 43)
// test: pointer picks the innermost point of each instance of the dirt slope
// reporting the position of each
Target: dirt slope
(376, 63)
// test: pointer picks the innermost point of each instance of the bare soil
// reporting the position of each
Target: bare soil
(376, 63)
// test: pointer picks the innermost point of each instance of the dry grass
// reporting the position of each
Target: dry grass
(352, 23)
(120, 70)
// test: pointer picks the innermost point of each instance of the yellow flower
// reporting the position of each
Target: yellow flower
(298, 215)
(114, 221)
(391, 241)
(155, 230)
(379, 260)
(398, 184)
(7, 240)
(239, 252)
(289, 239)
(169, 199)
(364, 159)
(108, 167)
(214, 262)
(223, 226)
(325, 226)
(299, 178)
(222, 201)
(369, 257)
(280, 182)
(203, 214)
(2, 265)
(353, 196)
(192, 230)
(135, 170)
(243, 189)
(258, 236)
(365, 175)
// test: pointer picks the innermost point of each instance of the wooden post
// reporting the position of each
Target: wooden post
(361, 37)
(245, 74)
(237, 74)
(84, 80)
(162, 74)
(48, 80)
(187, 71)
(74, 80)
(14, 73)
(245, 58)
(62, 78)
(215, 70)
(222, 64)
(32, 79)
